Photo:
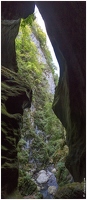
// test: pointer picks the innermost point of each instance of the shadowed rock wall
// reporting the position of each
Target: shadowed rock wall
(9, 31)
(65, 23)
(15, 95)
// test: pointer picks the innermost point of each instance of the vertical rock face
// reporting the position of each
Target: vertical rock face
(16, 96)
(41, 57)
(47, 73)
(65, 23)
(9, 31)
(15, 10)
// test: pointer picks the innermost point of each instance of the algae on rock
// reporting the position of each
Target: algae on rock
(15, 95)
(71, 191)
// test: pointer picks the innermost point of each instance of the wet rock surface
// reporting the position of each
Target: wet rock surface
(13, 97)
(42, 177)
(46, 182)
(52, 190)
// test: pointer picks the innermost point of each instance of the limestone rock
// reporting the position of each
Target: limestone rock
(42, 177)
(53, 170)
(13, 98)
(41, 58)
(9, 33)
(68, 36)
(38, 188)
(52, 190)
(42, 171)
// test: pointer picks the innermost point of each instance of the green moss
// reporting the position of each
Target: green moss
(62, 174)
(26, 185)
(70, 191)
(39, 195)
(15, 195)
(39, 150)
(13, 88)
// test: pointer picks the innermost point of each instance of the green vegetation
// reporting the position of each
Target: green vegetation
(26, 185)
(70, 191)
(41, 36)
(13, 89)
(14, 195)
(41, 128)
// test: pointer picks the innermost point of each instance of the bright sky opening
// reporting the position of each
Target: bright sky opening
(40, 21)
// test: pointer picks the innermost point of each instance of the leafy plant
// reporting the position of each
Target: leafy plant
(34, 72)
(26, 185)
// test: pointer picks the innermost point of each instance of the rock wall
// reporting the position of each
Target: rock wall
(65, 23)
(47, 73)
(15, 95)
(9, 31)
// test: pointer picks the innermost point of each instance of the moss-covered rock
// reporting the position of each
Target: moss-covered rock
(15, 195)
(15, 96)
(60, 153)
(71, 191)
(36, 195)
(26, 185)
(62, 174)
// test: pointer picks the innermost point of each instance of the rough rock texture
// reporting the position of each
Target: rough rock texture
(9, 31)
(71, 191)
(15, 10)
(65, 23)
(52, 190)
(41, 57)
(47, 72)
(11, 12)
(16, 95)
(42, 177)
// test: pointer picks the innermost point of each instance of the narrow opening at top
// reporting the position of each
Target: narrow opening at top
(41, 22)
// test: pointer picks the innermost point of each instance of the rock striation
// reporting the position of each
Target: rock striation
(16, 96)
(65, 23)
(47, 73)
(9, 31)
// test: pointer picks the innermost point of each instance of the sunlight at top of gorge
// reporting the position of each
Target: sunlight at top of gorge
(40, 21)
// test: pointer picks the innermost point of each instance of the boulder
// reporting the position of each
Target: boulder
(52, 190)
(38, 188)
(42, 171)
(53, 170)
(42, 177)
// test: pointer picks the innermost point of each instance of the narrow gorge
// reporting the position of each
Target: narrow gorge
(42, 134)
(43, 154)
